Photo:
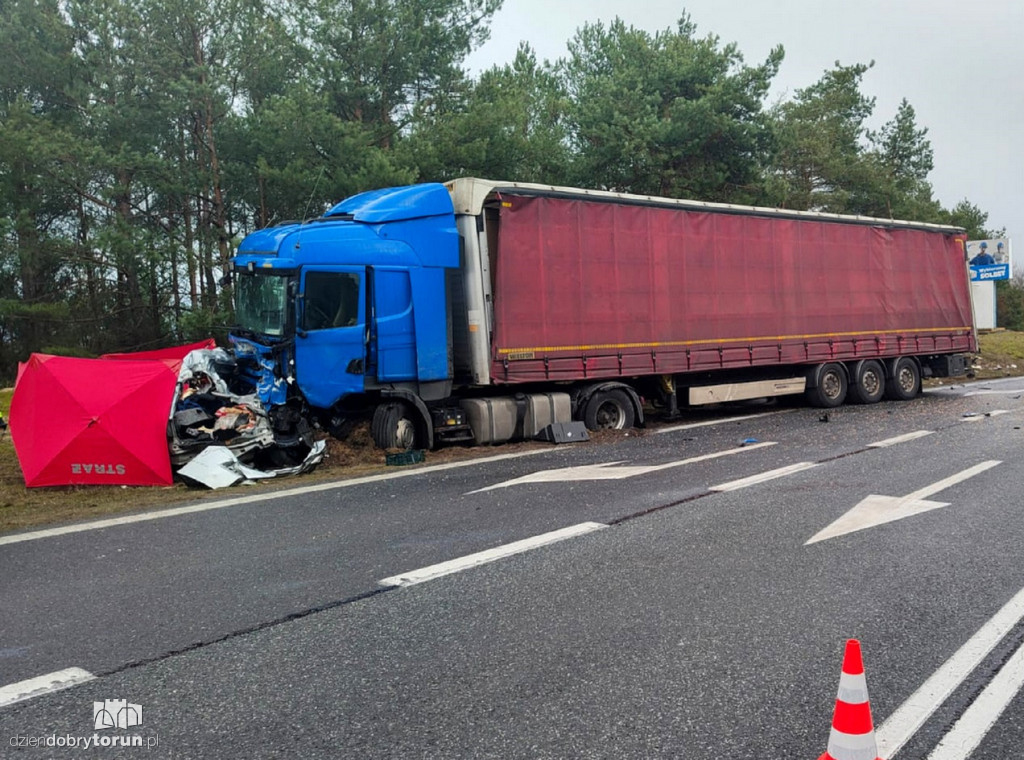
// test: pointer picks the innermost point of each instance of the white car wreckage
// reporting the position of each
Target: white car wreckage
(219, 432)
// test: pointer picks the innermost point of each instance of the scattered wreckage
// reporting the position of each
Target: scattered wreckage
(220, 433)
(141, 418)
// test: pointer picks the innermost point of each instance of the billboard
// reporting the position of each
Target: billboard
(989, 259)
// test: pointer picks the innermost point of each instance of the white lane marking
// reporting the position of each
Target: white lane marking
(251, 498)
(424, 574)
(35, 687)
(900, 439)
(992, 393)
(610, 470)
(877, 510)
(983, 713)
(763, 477)
(919, 706)
(722, 421)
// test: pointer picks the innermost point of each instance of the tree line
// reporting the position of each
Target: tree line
(139, 142)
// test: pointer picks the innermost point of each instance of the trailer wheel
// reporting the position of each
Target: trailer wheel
(830, 389)
(394, 427)
(609, 410)
(904, 383)
(868, 382)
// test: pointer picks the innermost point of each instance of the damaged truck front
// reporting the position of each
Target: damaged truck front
(326, 324)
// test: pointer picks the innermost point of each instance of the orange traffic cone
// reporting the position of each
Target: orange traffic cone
(853, 734)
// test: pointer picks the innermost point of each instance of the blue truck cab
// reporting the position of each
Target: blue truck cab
(345, 311)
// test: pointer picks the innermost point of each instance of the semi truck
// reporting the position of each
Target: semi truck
(484, 311)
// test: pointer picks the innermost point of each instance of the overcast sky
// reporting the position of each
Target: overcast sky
(959, 64)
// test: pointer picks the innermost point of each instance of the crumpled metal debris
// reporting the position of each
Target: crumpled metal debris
(216, 410)
(218, 467)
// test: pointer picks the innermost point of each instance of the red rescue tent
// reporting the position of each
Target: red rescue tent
(94, 421)
(172, 354)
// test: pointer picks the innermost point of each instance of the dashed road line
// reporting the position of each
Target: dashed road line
(431, 572)
(900, 439)
(35, 687)
(763, 477)
(722, 421)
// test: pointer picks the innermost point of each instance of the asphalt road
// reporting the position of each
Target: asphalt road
(699, 624)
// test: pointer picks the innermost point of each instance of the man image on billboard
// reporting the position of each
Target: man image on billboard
(983, 258)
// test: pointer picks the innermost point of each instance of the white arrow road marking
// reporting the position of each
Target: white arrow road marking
(609, 470)
(34, 687)
(878, 510)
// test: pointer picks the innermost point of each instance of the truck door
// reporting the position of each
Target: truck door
(331, 335)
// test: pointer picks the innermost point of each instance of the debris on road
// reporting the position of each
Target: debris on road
(218, 467)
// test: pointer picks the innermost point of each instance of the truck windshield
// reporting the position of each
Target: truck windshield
(261, 303)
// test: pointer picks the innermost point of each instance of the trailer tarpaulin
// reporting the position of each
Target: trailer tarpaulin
(93, 421)
(588, 289)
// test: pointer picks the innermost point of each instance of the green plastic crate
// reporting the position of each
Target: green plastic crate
(405, 457)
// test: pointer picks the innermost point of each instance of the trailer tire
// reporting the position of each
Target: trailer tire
(904, 381)
(609, 410)
(829, 386)
(394, 427)
(867, 382)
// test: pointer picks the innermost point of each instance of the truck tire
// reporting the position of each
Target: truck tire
(394, 427)
(868, 382)
(609, 410)
(904, 382)
(830, 388)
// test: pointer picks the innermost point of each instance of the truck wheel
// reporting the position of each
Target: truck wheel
(905, 381)
(393, 427)
(830, 390)
(609, 410)
(868, 382)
